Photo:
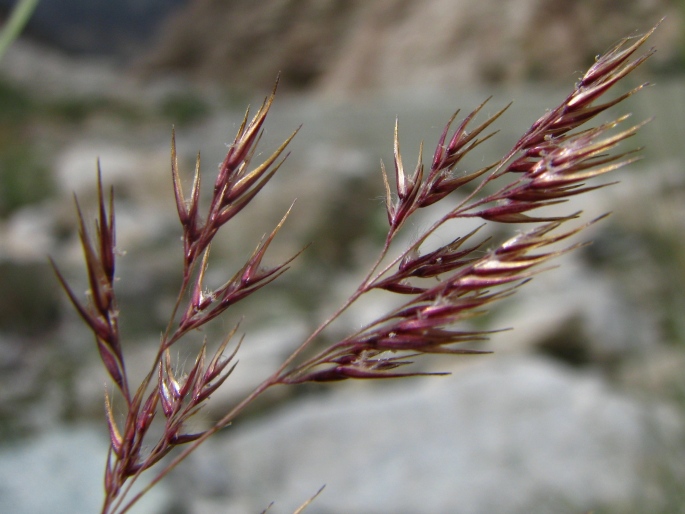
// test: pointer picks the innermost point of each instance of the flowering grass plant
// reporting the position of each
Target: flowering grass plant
(553, 160)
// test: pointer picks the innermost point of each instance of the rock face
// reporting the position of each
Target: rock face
(343, 45)
(515, 435)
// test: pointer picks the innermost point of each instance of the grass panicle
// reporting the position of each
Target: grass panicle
(439, 288)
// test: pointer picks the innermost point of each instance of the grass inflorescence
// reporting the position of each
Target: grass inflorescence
(556, 158)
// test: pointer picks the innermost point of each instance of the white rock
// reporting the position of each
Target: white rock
(76, 167)
(60, 472)
(28, 234)
(513, 435)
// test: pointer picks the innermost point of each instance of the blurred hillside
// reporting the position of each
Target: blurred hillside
(347, 45)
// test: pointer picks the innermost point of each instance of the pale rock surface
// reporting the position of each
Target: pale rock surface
(508, 435)
(60, 472)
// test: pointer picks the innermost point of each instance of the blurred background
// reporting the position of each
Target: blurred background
(581, 407)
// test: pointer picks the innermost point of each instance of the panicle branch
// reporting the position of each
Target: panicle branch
(180, 397)
(101, 313)
(206, 305)
(177, 397)
(414, 192)
(558, 171)
(578, 107)
(424, 324)
(549, 164)
(235, 186)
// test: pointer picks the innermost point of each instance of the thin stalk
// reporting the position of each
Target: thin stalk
(18, 19)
